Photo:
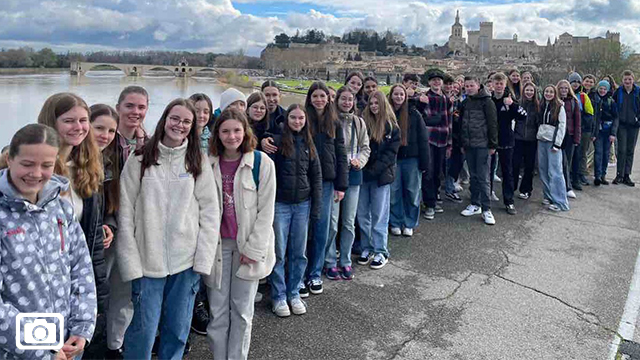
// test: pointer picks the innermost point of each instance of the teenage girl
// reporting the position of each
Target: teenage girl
(514, 83)
(370, 86)
(204, 110)
(132, 107)
(355, 83)
(29, 190)
(277, 114)
(573, 132)
(607, 122)
(258, 115)
(246, 183)
(526, 143)
(168, 232)
(378, 175)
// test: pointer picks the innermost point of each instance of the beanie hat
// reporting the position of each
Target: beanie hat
(604, 83)
(575, 77)
(434, 73)
(230, 96)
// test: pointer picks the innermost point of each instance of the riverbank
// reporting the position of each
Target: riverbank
(301, 86)
(30, 71)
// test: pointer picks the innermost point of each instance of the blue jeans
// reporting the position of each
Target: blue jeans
(317, 242)
(601, 157)
(347, 208)
(551, 175)
(479, 162)
(405, 195)
(454, 167)
(161, 303)
(373, 217)
(290, 223)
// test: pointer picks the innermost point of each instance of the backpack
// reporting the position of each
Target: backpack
(257, 159)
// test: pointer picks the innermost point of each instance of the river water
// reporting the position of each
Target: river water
(22, 96)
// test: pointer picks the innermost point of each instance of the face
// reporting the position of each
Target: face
(563, 89)
(460, 81)
(319, 99)
(447, 88)
(410, 84)
(627, 81)
(132, 110)
(602, 91)
(332, 95)
(488, 85)
(588, 83)
(370, 87)
(529, 93)
(435, 83)
(257, 110)
(549, 94)
(177, 126)
(398, 96)
(374, 105)
(471, 87)
(231, 134)
(238, 105)
(345, 101)
(203, 113)
(456, 88)
(526, 77)
(104, 130)
(575, 85)
(31, 168)
(296, 120)
(73, 126)
(499, 86)
(515, 77)
(273, 97)
(354, 84)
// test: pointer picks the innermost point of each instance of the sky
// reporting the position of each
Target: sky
(223, 26)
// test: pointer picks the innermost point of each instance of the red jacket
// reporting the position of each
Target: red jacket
(574, 129)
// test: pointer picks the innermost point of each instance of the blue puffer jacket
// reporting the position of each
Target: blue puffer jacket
(45, 265)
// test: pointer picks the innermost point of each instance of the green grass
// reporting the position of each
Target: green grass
(301, 86)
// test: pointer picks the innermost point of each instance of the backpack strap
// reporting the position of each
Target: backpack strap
(257, 159)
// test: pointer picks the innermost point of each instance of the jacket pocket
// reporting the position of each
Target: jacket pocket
(249, 194)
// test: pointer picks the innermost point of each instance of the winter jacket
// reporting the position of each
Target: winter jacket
(587, 121)
(277, 117)
(632, 114)
(333, 157)
(361, 103)
(45, 266)
(91, 223)
(299, 178)
(507, 116)
(168, 221)
(437, 116)
(382, 161)
(552, 130)
(417, 142)
(574, 127)
(606, 114)
(527, 128)
(359, 147)
(479, 121)
(254, 209)
(260, 129)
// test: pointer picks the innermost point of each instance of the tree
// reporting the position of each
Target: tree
(601, 57)
(282, 40)
(45, 58)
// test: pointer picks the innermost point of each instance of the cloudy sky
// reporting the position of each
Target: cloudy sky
(225, 25)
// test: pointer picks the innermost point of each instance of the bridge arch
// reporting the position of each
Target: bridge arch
(85, 68)
(206, 71)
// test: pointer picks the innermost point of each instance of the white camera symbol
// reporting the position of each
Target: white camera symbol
(40, 334)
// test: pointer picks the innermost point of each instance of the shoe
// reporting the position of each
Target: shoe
(524, 196)
(457, 187)
(465, 182)
(438, 199)
(298, 307)
(332, 273)
(584, 181)
(577, 186)
(114, 354)
(511, 209)
(407, 232)
(494, 197)
(156, 345)
(604, 181)
(315, 286)
(617, 180)
(627, 181)
(471, 210)
(200, 318)
(304, 292)
(187, 348)
(571, 194)
(396, 231)
(554, 207)
(347, 273)
(281, 309)
(258, 297)
(596, 181)
(453, 197)
(365, 257)
(378, 262)
(430, 214)
(438, 209)
(496, 178)
(546, 202)
(488, 218)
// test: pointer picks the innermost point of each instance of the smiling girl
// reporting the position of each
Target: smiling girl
(355, 83)
(132, 107)
(258, 114)
(204, 109)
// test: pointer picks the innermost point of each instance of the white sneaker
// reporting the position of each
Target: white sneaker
(471, 210)
(494, 197)
(496, 178)
(571, 194)
(281, 308)
(407, 232)
(546, 202)
(457, 187)
(554, 207)
(488, 218)
(298, 307)
(396, 231)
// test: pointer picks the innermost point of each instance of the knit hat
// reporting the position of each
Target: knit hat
(230, 96)
(434, 73)
(604, 83)
(575, 77)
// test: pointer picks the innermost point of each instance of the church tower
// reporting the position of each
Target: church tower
(456, 28)
(457, 44)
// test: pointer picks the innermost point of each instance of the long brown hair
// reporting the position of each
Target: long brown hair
(403, 120)
(326, 123)
(534, 100)
(287, 134)
(513, 86)
(112, 154)
(32, 134)
(555, 104)
(376, 123)
(150, 152)
(88, 172)
(249, 142)
(255, 97)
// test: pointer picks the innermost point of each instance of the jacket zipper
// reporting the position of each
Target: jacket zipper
(298, 159)
(60, 223)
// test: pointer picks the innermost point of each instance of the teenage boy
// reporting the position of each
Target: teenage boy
(627, 98)
(508, 111)
(587, 124)
(454, 164)
(478, 134)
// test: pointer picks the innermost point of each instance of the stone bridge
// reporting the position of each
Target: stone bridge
(182, 69)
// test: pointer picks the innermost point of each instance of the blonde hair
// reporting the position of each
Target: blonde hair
(376, 123)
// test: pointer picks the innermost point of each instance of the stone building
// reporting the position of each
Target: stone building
(297, 56)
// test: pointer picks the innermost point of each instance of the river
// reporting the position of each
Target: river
(22, 96)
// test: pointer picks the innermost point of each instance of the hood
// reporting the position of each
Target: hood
(51, 190)
(482, 93)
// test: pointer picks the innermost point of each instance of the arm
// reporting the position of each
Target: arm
(491, 115)
(577, 124)
(615, 118)
(97, 255)
(341, 183)
(389, 154)
(562, 127)
(363, 142)
(423, 142)
(8, 322)
(130, 263)
(315, 180)
(256, 247)
(209, 219)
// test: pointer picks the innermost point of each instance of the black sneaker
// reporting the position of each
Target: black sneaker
(604, 181)
(304, 292)
(365, 257)
(453, 197)
(584, 181)
(200, 319)
(379, 261)
(438, 199)
(315, 286)
(618, 180)
(511, 209)
(577, 186)
(114, 354)
(596, 182)
(627, 181)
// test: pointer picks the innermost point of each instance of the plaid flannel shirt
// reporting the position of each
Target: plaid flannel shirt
(439, 111)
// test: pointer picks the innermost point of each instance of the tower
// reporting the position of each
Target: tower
(456, 28)
(457, 43)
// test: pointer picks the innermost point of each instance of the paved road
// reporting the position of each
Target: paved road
(538, 285)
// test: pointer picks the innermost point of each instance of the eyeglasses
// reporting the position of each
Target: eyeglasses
(175, 120)
(258, 108)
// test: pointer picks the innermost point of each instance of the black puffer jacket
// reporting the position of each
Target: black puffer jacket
(381, 166)
(91, 223)
(507, 115)
(527, 128)
(418, 140)
(333, 158)
(479, 121)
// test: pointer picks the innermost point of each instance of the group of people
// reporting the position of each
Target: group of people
(159, 233)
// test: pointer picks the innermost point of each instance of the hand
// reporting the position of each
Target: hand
(424, 99)
(508, 101)
(449, 151)
(593, 139)
(492, 151)
(553, 149)
(462, 150)
(60, 355)
(73, 346)
(109, 236)
(268, 147)
(246, 260)
(355, 163)
(612, 139)
(338, 196)
(410, 92)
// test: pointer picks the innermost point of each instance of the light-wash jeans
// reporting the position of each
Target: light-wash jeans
(405, 195)
(165, 304)
(120, 310)
(551, 175)
(318, 239)
(231, 308)
(347, 208)
(373, 217)
(291, 224)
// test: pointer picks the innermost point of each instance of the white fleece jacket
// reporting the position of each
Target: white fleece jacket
(169, 221)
